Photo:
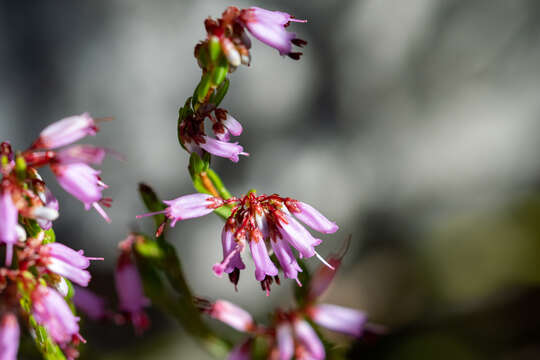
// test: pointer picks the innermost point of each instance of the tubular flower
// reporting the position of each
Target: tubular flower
(91, 304)
(67, 262)
(51, 310)
(188, 207)
(8, 222)
(9, 337)
(310, 346)
(338, 318)
(269, 27)
(66, 131)
(231, 315)
(87, 154)
(83, 182)
(285, 340)
(194, 138)
(130, 291)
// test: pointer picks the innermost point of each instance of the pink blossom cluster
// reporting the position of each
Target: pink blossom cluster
(36, 270)
(229, 33)
(290, 334)
(261, 223)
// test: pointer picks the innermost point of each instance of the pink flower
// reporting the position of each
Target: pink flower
(68, 263)
(286, 259)
(91, 304)
(188, 207)
(66, 131)
(232, 315)
(297, 235)
(323, 277)
(49, 212)
(263, 265)
(285, 340)
(229, 126)
(87, 154)
(311, 217)
(231, 254)
(222, 148)
(83, 182)
(130, 291)
(51, 310)
(8, 223)
(9, 337)
(269, 27)
(241, 351)
(308, 339)
(338, 318)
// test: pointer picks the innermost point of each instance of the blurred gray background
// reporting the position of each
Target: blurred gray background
(413, 124)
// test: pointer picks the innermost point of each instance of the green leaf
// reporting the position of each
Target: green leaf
(203, 87)
(152, 203)
(220, 92)
(149, 249)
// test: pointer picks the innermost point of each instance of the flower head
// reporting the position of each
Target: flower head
(269, 27)
(195, 139)
(51, 310)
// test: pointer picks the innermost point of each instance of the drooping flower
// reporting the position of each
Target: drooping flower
(83, 182)
(224, 149)
(308, 340)
(66, 131)
(231, 254)
(195, 139)
(188, 207)
(89, 303)
(231, 315)
(51, 310)
(269, 27)
(130, 292)
(67, 262)
(8, 222)
(9, 337)
(338, 318)
(260, 222)
(83, 153)
(284, 340)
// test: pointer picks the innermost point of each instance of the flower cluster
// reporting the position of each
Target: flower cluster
(290, 334)
(261, 222)
(225, 48)
(35, 271)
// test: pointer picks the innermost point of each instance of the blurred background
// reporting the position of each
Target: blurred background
(413, 124)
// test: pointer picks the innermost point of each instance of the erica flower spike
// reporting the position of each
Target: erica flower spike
(261, 223)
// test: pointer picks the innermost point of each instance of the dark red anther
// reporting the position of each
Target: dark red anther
(161, 228)
(299, 42)
(294, 55)
(234, 277)
(276, 278)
